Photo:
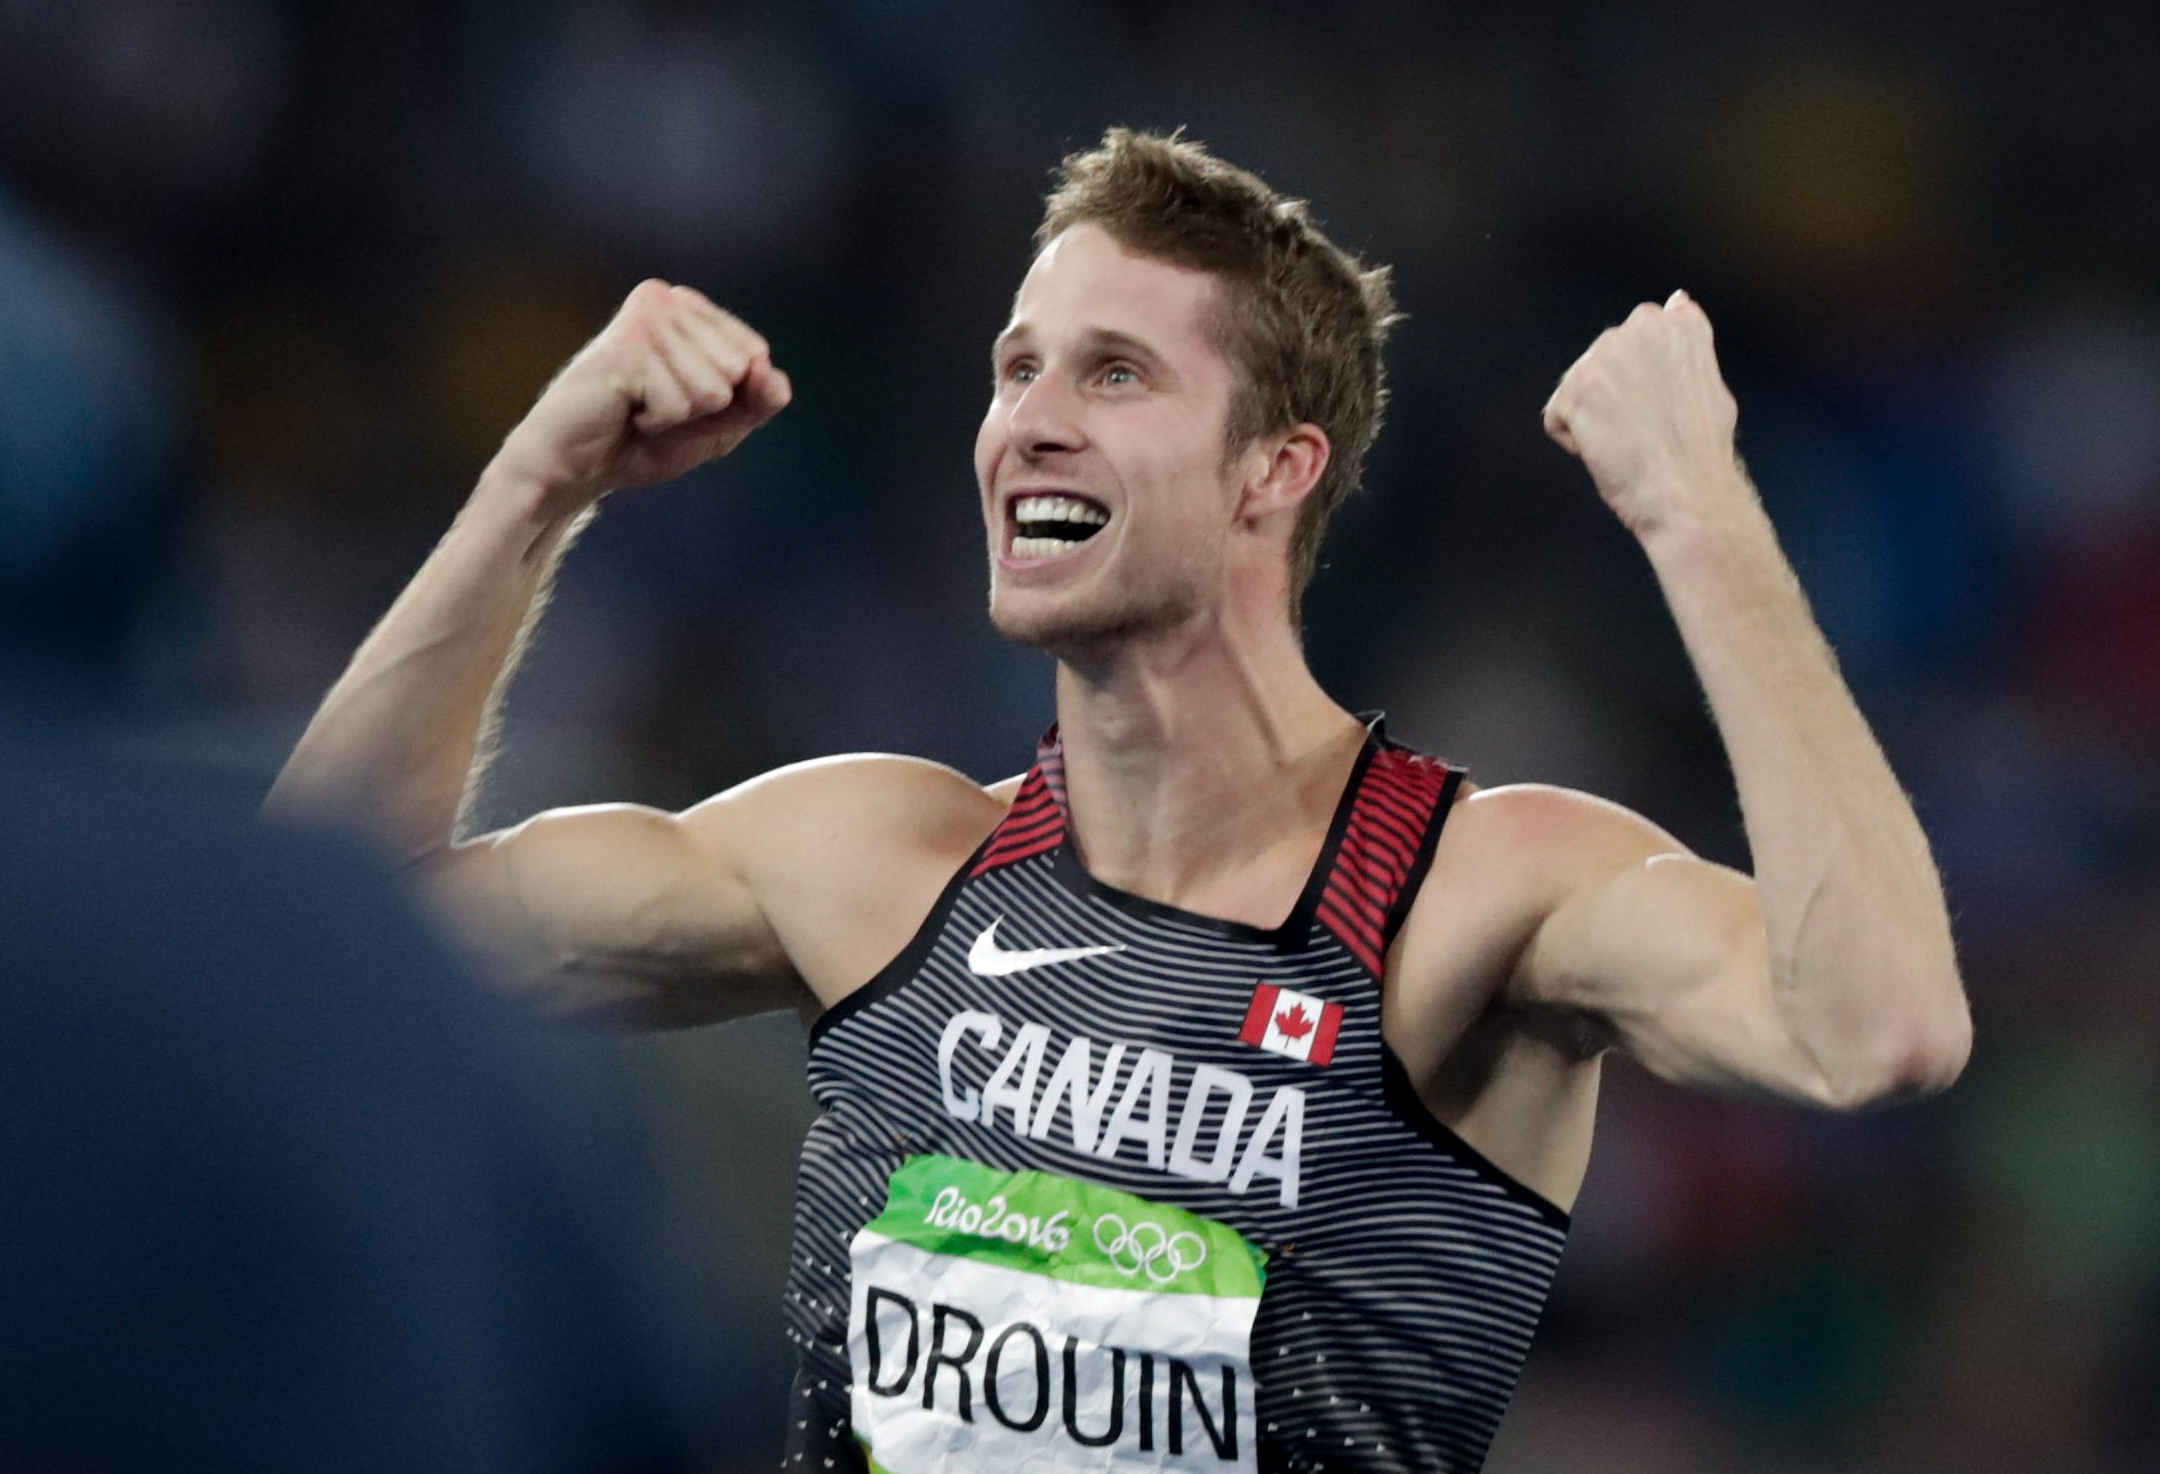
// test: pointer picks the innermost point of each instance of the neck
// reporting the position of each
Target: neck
(1202, 763)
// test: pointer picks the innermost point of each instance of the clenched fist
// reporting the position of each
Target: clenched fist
(671, 383)
(1647, 411)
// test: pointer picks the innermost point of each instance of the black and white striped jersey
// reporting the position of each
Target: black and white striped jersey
(1099, 1184)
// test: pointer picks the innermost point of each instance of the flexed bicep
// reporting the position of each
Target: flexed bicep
(1663, 953)
(1669, 957)
(616, 913)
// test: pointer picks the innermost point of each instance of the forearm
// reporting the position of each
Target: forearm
(1859, 942)
(398, 740)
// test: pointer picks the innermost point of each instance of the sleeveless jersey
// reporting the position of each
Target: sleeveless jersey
(1098, 1183)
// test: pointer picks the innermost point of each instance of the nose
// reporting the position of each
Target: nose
(1045, 419)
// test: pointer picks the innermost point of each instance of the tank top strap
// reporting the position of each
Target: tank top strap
(1395, 817)
(1035, 824)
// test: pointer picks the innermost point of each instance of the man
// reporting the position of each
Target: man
(1212, 1095)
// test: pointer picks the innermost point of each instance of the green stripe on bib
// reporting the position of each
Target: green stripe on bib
(1079, 1232)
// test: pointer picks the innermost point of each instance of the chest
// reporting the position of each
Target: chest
(1078, 945)
(1053, 1071)
(1041, 1013)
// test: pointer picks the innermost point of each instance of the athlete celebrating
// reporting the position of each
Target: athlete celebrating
(1212, 1095)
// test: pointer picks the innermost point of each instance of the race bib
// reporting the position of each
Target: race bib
(1003, 1321)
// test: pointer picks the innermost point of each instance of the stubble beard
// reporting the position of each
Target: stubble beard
(1085, 631)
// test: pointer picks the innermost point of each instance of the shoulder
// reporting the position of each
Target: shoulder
(834, 843)
(1519, 1084)
(1549, 838)
(879, 796)
(842, 857)
(1507, 860)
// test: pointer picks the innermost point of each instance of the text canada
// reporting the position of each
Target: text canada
(1191, 1121)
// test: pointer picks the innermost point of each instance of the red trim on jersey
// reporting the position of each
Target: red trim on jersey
(1379, 858)
(1050, 762)
(1389, 818)
(1257, 1015)
(1352, 934)
(1035, 824)
(1323, 1044)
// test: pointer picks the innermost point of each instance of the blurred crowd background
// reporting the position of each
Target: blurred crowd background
(276, 277)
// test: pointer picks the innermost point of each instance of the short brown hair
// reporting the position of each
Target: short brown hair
(1301, 320)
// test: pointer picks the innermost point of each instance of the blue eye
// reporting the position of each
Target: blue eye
(1131, 374)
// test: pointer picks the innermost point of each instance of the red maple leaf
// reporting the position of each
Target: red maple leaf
(1291, 1023)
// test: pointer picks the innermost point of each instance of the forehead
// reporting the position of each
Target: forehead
(1086, 282)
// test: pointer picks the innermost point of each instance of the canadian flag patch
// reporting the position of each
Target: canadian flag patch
(1292, 1023)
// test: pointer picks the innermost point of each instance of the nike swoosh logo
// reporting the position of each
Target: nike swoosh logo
(986, 959)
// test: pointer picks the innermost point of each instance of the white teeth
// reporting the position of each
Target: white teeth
(1040, 547)
(1058, 509)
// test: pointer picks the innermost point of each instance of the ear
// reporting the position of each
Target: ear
(1281, 470)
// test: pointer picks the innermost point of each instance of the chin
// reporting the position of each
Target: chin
(1074, 629)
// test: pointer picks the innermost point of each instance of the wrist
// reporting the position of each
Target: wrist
(510, 488)
(1709, 508)
(1722, 565)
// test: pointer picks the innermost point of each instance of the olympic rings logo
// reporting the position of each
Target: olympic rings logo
(1147, 1247)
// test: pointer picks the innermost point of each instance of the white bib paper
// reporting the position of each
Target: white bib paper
(1006, 1321)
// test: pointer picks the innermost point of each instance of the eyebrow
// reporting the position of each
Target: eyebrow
(1096, 339)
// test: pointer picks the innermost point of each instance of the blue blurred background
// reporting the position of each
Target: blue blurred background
(276, 278)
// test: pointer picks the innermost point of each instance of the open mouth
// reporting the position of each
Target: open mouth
(1047, 524)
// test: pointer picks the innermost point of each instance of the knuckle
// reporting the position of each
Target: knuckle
(742, 332)
(639, 321)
